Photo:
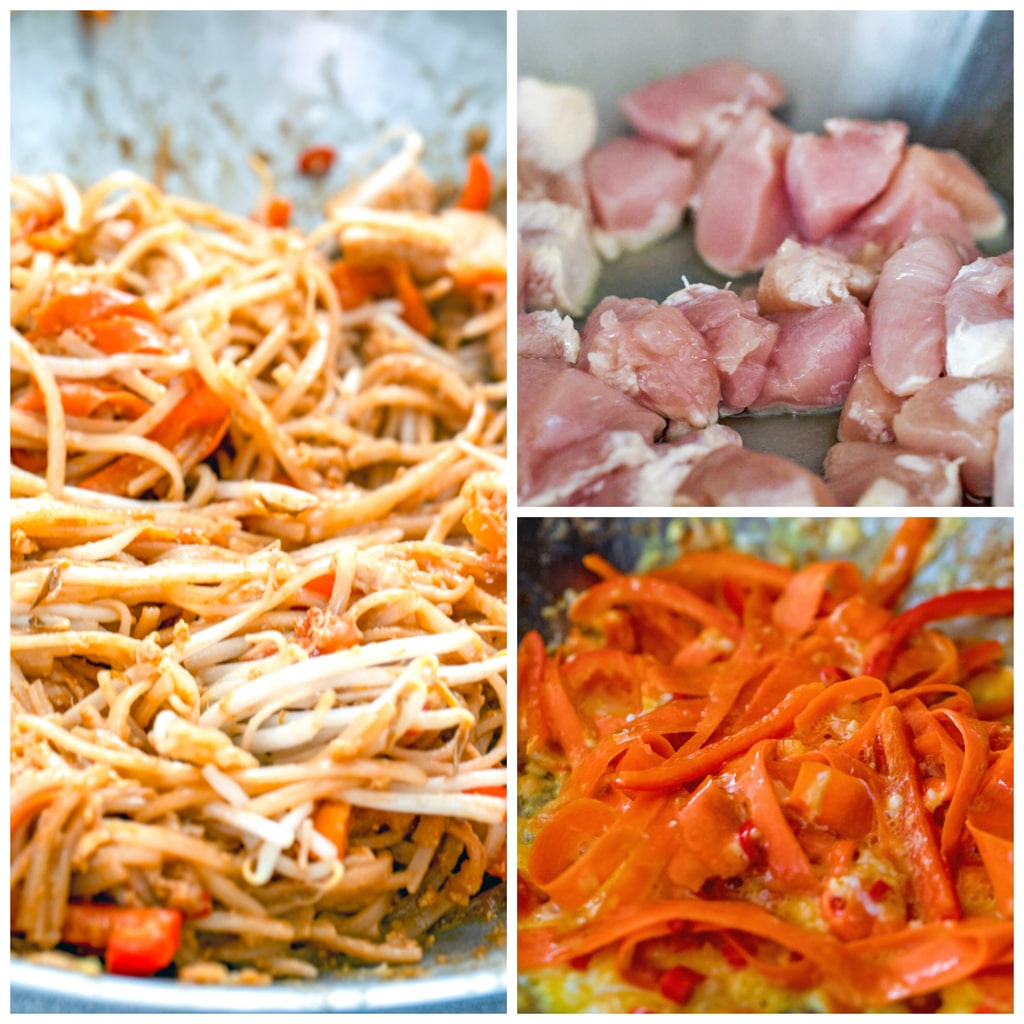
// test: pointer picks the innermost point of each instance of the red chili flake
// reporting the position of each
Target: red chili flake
(677, 925)
(580, 963)
(832, 674)
(316, 161)
(879, 890)
(733, 957)
(748, 836)
(678, 984)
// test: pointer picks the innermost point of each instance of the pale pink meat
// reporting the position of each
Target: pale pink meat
(979, 319)
(562, 263)
(638, 189)
(832, 177)
(815, 358)
(557, 124)
(651, 353)
(862, 473)
(744, 213)
(907, 314)
(807, 276)
(933, 192)
(656, 484)
(547, 335)
(869, 409)
(684, 111)
(739, 338)
(958, 418)
(732, 476)
(573, 429)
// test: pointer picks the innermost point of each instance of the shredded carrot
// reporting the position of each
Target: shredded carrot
(476, 193)
(332, 819)
(736, 746)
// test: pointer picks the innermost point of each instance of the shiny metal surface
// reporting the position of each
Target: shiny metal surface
(211, 88)
(947, 74)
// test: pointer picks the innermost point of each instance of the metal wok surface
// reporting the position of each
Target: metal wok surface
(202, 92)
(947, 74)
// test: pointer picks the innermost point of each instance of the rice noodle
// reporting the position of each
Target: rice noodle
(258, 573)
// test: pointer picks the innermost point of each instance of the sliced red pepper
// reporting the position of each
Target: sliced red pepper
(678, 983)
(137, 940)
(316, 161)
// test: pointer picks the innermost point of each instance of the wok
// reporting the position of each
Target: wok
(947, 74)
(200, 92)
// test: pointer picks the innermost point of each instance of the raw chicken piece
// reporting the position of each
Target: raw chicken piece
(1002, 486)
(907, 314)
(869, 409)
(563, 264)
(547, 335)
(655, 484)
(557, 124)
(573, 429)
(933, 192)
(958, 418)
(807, 276)
(651, 352)
(815, 357)
(732, 476)
(744, 211)
(567, 187)
(739, 339)
(638, 190)
(979, 319)
(862, 473)
(832, 177)
(690, 109)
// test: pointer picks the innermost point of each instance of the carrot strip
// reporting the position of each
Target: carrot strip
(898, 564)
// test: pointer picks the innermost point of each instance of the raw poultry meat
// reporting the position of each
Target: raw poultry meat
(573, 429)
(873, 297)
(958, 418)
(745, 214)
(739, 338)
(907, 314)
(862, 473)
(807, 276)
(562, 265)
(657, 483)
(868, 411)
(638, 191)
(815, 357)
(731, 476)
(651, 352)
(556, 124)
(699, 107)
(830, 178)
(547, 335)
(979, 318)
(1002, 482)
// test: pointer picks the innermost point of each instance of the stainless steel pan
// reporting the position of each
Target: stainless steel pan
(202, 92)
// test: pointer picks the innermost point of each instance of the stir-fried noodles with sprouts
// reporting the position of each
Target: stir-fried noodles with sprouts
(258, 575)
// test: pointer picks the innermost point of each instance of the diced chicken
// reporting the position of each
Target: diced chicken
(807, 276)
(656, 483)
(815, 357)
(732, 476)
(744, 213)
(1002, 484)
(556, 124)
(688, 110)
(866, 474)
(651, 353)
(869, 409)
(739, 338)
(563, 265)
(907, 314)
(638, 190)
(547, 335)
(830, 178)
(958, 418)
(933, 192)
(574, 429)
(567, 187)
(979, 319)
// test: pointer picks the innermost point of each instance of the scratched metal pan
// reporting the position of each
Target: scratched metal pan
(947, 74)
(199, 93)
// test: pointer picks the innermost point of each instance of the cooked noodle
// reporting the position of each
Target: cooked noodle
(257, 571)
